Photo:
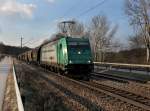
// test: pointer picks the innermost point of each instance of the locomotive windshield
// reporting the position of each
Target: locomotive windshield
(78, 45)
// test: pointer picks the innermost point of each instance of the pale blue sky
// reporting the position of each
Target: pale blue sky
(36, 20)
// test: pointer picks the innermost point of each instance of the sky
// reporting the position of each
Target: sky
(36, 20)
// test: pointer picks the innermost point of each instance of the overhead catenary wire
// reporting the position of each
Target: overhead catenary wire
(71, 8)
(28, 41)
(33, 42)
(36, 40)
(91, 8)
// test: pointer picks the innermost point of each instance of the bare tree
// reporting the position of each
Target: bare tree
(101, 36)
(71, 28)
(136, 41)
(139, 15)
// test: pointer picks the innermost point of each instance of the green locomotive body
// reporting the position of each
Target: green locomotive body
(67, 54)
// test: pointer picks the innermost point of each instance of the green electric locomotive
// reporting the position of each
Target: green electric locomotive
(67, 55)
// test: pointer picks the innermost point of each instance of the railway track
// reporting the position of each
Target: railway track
(132, 101)
(116, 78)
(137, 98)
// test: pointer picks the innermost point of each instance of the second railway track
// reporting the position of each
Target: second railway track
(116, 78)
(132, 98)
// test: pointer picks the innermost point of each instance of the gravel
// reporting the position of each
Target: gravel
(133, 87)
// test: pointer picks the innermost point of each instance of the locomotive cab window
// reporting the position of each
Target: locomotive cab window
(78, 44)
(75, 47)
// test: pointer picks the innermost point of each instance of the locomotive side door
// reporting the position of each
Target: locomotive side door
(60, 54)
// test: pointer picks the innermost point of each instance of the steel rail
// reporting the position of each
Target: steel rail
(123, 64)
(117, 78)
(123, 93)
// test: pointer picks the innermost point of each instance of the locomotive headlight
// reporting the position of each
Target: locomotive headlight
(79, 52)
(70, 61)
(89, 61)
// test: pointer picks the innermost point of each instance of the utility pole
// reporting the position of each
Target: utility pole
(21, 41)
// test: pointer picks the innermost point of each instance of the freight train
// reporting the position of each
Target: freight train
(65, 55)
